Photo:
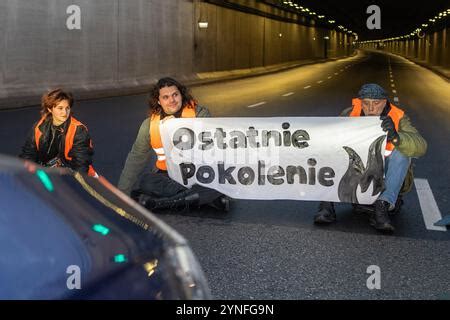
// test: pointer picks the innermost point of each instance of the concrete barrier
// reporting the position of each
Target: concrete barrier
(122, 47)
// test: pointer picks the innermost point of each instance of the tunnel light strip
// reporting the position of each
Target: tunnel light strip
(309, 13)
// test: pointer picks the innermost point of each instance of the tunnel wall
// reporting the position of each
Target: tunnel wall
(124, 46)
(433, 50)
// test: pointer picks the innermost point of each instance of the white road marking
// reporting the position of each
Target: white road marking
(256, 104)
(430, 210)
(320, 81)
(288, 94)
(396, 99)
(306, 87)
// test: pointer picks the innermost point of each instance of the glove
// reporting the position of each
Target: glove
(389, 127)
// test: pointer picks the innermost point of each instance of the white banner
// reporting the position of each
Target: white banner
(337, 159)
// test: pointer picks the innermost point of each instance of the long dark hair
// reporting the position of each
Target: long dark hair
(153, 104)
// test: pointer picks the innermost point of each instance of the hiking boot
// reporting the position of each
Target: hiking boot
(135, 194)
(380, 218)
(393, 210)
(326, 213)
(146, 201)
(222, 203)
(363, 208)
(185, 199)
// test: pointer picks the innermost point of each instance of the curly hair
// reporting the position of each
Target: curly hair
(153, 104)
(52, 98)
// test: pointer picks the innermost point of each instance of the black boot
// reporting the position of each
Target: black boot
(326, 213)
(380, 218)
(363, 208)
(222, 203)
(398, 206)
(185, 199)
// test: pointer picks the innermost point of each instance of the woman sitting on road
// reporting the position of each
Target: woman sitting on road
(58, 139)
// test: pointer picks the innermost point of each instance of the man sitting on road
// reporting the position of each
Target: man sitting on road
(403, 143)
(156, 190)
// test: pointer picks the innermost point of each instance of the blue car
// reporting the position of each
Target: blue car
(64, 235)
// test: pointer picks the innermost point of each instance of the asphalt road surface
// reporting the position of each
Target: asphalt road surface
(271, 249)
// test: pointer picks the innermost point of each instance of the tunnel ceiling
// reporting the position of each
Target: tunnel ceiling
(398, 17)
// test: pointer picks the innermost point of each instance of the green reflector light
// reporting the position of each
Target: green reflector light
(119, 258)
(45, 179)
(100, 229)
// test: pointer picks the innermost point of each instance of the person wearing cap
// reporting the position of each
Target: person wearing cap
(156, 190)
(403, 143)
(58, 139)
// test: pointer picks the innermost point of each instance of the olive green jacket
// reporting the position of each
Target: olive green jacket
(142, 155)
(412, 145)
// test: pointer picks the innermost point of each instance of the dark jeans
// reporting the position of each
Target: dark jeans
(160, 185)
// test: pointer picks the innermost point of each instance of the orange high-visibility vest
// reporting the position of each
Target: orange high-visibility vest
(395, 113)
(155, 136)
(70, 136)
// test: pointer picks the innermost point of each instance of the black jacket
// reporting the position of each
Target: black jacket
(81, 152)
